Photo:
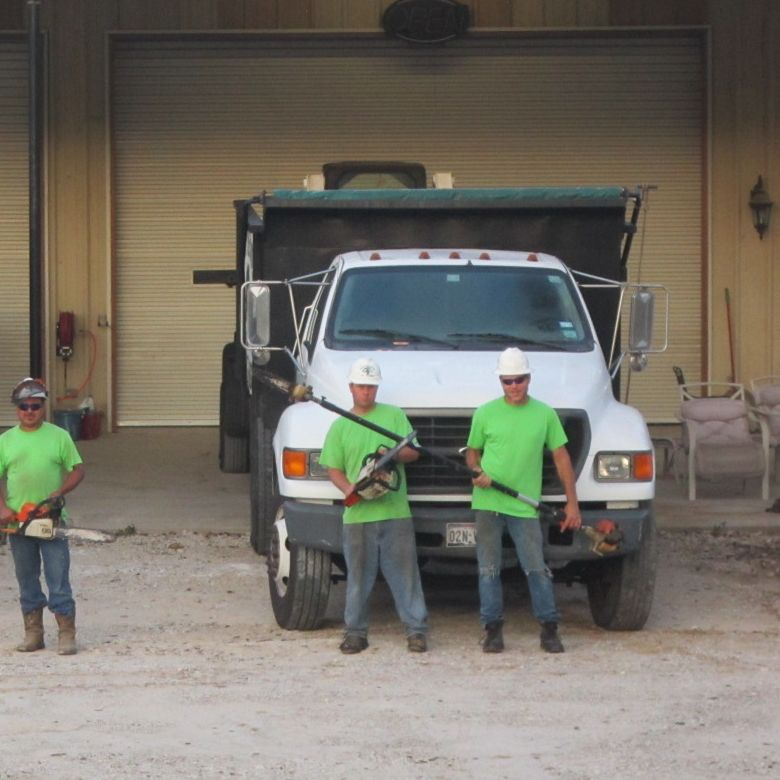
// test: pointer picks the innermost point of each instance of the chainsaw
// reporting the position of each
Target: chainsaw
(43, 521)
(379, 473)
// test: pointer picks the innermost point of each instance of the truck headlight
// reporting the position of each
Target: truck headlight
(623, 467)
(302, 464)
(315, 470)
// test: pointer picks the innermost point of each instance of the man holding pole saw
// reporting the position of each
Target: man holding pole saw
(506, 442)
(367, 467)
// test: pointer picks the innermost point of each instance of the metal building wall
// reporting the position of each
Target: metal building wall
(14, 225)
(197, 124)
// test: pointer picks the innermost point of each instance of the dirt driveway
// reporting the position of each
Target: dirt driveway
(183, 673)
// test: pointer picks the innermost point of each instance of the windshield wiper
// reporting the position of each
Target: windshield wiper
(482, 336)
(509, 338)
(552, 346)
(394, 335)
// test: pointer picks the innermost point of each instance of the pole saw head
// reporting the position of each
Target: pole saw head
(293, 392)
(605, 536)
(300, 393)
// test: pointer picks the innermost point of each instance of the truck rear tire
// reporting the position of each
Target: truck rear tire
(263, 497)
(299, 580)
(620, 590)
(233, 450)
(233, 413)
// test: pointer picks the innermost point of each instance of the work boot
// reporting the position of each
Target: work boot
(493, 641)
(353, 644)
(416, 643)
(67, 639)
(550, 641)
(33, 631)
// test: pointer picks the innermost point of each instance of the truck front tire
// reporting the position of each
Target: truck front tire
(620, 590)
(299, 580)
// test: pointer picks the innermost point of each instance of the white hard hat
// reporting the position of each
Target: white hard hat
(365, 371)
(512, 362)
(29, 388)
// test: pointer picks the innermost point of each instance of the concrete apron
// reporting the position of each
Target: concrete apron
(157, 480)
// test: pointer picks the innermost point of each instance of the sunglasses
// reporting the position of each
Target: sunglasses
(517, 380)
(30, 407)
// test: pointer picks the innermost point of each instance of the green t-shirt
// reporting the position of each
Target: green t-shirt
(512, 439)
(33, 463)
(347, 443)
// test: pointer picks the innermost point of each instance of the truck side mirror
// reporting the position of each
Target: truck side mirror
(640, 334)
(255, 315)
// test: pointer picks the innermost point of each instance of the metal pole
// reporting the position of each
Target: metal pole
(35, 190)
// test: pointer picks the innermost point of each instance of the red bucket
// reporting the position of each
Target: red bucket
(90, 425)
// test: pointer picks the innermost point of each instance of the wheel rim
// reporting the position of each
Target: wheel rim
(279, 555)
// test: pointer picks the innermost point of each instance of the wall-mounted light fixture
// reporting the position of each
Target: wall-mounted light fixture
(760, 205)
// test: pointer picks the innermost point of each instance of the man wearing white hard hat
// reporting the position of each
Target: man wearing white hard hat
(378, 532)
(506, 443)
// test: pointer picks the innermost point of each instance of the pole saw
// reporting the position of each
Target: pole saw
(304, 393)
(42, 521)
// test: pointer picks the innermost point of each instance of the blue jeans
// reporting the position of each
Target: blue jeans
(387, 545)
(55, 554)
(526, 533)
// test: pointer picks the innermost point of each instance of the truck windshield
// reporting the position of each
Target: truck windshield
(463, 307)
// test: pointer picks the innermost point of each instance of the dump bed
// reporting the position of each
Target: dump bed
(299, 231)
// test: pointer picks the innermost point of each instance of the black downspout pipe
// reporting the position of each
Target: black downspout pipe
(35, 191)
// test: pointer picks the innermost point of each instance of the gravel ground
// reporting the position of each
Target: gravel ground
(183, 672)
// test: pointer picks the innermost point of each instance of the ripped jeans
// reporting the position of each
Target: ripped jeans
(526, 533)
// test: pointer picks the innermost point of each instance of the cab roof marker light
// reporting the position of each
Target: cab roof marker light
(485, 256)
(375, 256)
(454, 255)
(424, 256)
(533, 258)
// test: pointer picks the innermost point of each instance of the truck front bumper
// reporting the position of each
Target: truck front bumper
(319, 526)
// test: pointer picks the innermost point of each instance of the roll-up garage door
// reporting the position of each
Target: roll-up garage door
(14, 225)
(198, 124)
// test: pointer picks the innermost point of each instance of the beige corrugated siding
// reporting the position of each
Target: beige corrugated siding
(196, 125)
(14, 224)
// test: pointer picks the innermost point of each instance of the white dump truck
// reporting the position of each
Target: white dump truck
(433, 284)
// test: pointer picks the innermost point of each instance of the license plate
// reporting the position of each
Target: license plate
(461, 535)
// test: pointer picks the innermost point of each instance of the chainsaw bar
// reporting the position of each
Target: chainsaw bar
(85, 535)
(44, 529)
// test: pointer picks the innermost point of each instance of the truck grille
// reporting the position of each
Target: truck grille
(446, 435)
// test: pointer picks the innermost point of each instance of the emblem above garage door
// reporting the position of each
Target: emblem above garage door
(198, 123)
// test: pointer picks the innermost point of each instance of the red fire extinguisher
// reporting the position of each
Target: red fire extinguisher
(65, 331)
